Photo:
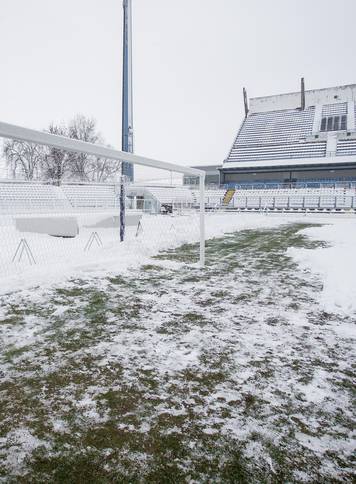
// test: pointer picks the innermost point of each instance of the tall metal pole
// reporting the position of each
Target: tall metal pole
(127, 172)
(127, 104)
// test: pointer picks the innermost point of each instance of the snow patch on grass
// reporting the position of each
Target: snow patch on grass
(336, 265)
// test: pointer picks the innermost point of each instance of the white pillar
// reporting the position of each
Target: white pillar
(317, 118)
(331, 144)
(202, 219)
(350, 116)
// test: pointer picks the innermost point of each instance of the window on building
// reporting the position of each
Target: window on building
(343, 123)
(334, 123)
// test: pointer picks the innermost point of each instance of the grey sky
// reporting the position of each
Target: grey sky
(191, 60)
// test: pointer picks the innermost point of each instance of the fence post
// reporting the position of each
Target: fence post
(202, 219)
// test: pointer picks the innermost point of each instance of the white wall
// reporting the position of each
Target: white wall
(3, 168)
(293, 100)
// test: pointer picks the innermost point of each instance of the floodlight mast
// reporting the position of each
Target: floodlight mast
(127, 170)
(127, 103)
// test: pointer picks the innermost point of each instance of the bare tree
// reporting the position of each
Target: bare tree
(105, 169)
(86, 167)
(24, 159)
(81, 164)
(29, 161)
(55, 163)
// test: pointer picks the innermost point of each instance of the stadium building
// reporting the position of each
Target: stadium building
(299, 137)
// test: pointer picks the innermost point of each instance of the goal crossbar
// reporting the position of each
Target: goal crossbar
(61, 142)
(20, 133)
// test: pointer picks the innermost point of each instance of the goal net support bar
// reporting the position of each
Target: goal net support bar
(68, 144)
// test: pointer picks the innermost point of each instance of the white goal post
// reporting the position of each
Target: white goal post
(68, 144)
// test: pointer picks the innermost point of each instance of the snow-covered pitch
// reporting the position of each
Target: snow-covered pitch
(136, 364)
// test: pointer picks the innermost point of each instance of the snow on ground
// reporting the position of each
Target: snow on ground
(148, 368)
(336, 265)
(58, 258)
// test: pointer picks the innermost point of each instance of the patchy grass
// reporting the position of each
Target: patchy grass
(227, 374)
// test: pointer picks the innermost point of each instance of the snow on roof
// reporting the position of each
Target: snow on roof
(277, 129)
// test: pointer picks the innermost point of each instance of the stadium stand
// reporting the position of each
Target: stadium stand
(302, 198)
(294, 199)
(294, 138)
(34, 198)
(156, 198)
(20, 197)
(171, 194)
(346, 147)
(27, 197)
(285, 126)
(91, 196)
(213, 197)
(278, 152)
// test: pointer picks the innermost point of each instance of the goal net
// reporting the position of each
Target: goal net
(69, 225)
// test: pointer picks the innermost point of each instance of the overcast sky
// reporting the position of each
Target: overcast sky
(191, 60)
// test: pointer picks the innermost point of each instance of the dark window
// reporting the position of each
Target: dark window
(334, 123)
(343, 122)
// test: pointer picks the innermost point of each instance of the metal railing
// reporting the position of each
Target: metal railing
(312, 183)
(294, 203)
(284, 185)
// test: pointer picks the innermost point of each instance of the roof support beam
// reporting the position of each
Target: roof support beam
(302, 94)
(245, 102)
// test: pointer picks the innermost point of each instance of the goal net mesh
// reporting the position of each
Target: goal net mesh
(68, 226)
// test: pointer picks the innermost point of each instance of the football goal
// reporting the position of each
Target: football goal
(73, 221)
